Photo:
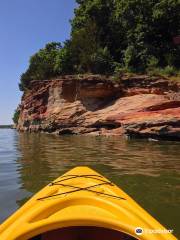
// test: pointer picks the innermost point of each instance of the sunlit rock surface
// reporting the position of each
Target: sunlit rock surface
(138, 106)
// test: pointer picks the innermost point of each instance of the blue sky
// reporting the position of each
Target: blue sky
(25, 27)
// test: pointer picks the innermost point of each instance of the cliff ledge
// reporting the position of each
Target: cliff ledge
(138, 106)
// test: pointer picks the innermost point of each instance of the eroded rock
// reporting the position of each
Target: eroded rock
(137, 106)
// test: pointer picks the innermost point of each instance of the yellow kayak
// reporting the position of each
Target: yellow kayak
(82, 205)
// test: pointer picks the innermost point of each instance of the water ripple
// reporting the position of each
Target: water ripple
(148, 171)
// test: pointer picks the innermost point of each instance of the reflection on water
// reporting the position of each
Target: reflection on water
(148, 171)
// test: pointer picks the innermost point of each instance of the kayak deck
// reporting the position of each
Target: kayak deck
(80, 199)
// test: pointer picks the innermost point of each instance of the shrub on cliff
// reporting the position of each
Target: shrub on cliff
(16, 116)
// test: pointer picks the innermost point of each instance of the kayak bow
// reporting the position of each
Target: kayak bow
(82, 204)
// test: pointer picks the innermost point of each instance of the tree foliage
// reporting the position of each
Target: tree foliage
(41, 65)
(133, 34)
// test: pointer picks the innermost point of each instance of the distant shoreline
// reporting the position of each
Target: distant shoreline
(6, 126)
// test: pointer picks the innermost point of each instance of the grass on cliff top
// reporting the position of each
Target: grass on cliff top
(169, 72)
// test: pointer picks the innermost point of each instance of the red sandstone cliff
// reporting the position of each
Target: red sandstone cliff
(137, 106)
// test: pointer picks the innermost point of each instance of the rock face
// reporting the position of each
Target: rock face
(139, 106)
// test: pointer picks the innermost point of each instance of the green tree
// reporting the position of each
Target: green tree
(41, 65)
(134, 27)
(134, 34)
(64, 60)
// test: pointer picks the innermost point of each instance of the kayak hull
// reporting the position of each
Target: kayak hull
(81, 198)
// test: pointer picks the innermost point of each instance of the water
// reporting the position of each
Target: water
(147, 171)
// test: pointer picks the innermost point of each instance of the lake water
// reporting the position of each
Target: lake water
(147, 171)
